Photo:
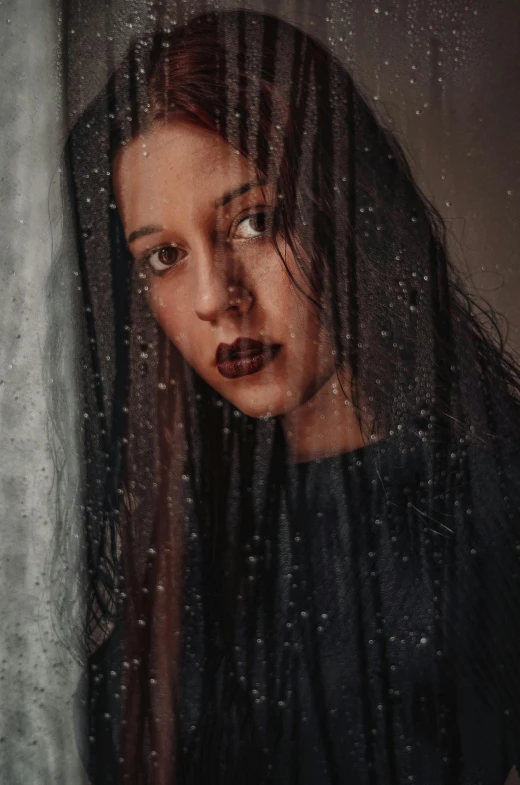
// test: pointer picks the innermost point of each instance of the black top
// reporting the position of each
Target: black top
(387, 649)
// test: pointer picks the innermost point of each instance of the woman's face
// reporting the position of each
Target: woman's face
(197, 221)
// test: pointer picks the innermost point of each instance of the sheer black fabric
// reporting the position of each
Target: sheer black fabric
(386, 648)
(252, 620)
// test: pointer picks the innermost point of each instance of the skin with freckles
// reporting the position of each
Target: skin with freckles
(196, 216)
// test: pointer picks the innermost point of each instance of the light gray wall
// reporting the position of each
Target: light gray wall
(37, 676)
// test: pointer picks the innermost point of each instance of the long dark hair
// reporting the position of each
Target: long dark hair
(169, 465)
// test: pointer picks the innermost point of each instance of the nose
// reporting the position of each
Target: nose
(219, 289)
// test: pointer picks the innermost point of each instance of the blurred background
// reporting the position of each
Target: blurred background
(443, 75)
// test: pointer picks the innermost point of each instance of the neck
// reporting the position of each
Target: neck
(325, 425)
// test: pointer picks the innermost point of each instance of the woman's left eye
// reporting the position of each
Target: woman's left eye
(251, 226)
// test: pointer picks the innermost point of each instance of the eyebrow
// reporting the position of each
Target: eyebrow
(242, 189)
(143, 232)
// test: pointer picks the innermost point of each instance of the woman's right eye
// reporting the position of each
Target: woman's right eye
(162, 259)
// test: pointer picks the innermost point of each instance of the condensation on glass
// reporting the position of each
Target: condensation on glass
(260, 394)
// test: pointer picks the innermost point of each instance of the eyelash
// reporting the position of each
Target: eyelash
(146, 259)
(253, 212)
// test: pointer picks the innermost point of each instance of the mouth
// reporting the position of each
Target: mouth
(244, 357)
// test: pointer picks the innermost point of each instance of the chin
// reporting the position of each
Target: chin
(261, 407)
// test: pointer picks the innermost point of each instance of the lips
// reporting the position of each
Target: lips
(244, 357)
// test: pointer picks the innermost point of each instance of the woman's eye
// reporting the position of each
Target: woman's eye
(163, 259)
(253, 225)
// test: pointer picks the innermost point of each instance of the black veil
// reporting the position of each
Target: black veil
(221, 612)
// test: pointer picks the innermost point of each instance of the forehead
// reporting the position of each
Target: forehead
(179, 156)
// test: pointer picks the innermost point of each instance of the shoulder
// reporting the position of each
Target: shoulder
(494, 472)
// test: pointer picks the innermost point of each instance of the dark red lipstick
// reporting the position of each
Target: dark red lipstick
(244, 357)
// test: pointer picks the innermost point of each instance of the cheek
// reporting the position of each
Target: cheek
(173, 314)
(309, 343)
(280, 290)
(296, 312)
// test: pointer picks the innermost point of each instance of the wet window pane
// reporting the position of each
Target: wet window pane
(260, 393)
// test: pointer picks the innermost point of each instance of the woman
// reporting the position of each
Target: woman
(301, 485)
